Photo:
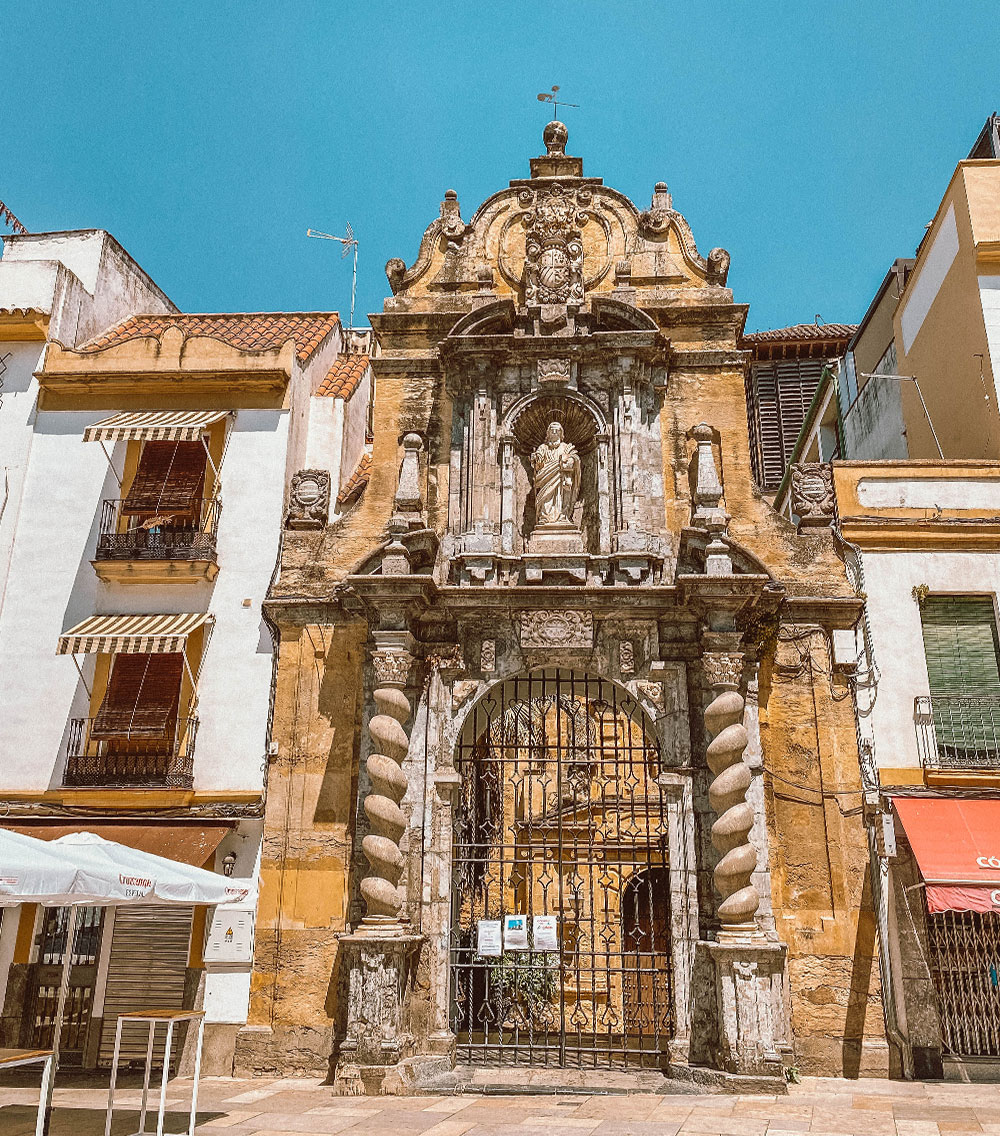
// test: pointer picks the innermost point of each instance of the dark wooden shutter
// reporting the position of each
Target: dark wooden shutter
(142, 697)
(169, 479)
(960, 644)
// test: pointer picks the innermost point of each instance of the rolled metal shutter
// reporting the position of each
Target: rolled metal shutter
(146, 971)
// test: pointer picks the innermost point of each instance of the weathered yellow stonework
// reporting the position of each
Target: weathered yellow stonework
(560, 300)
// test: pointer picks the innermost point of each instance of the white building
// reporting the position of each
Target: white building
(151, 464)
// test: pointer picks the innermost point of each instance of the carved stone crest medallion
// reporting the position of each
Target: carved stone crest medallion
(309, 499)
(812, 493)
(555, 628)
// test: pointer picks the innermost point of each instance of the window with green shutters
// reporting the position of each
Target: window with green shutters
(962, 650)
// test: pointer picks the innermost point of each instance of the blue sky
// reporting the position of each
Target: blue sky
(813, 141)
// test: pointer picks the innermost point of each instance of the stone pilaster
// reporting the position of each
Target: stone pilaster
(378, 960)
(749, 970)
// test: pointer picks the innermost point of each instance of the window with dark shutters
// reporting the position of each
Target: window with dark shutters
(142, 698)
(782, 392)
(169, 479)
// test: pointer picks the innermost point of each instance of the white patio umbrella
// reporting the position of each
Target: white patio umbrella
(84, 870)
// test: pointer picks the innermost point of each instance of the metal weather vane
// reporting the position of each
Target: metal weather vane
(553, 98)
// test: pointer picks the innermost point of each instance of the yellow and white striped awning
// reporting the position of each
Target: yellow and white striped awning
(131, 634)
(153, 426)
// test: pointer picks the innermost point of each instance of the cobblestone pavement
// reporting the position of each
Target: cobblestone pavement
(286, 1107)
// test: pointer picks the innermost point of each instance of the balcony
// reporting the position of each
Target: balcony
(131, 760)
(958, 733)
(157, 549)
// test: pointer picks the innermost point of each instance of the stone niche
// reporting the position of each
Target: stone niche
(556, 458)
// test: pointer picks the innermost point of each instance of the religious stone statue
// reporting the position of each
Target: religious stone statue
(556, 466)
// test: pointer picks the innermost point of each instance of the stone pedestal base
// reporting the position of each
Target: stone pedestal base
(379, 969)
(750, 999)
(563, 539)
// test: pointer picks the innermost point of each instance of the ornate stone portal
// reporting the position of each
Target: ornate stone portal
(569, 549)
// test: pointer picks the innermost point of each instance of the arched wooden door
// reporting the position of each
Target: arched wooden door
(645, 951)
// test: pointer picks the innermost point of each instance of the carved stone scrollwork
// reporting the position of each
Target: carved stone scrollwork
(812, 493)
(309, 499)
(626, 657)
(555, 628)
(718, 267)
(488, 655)
(389, 743)
(727, 795)
(652, 692)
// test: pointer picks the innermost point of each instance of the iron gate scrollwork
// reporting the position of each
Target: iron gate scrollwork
(560, 814)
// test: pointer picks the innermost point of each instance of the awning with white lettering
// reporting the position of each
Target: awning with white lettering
(957, 846)
(154, 426)
(131, 634)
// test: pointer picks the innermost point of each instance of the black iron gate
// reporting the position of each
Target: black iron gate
(560, 815)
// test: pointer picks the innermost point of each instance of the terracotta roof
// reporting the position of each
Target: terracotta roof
(343, 377)
(357, 481)
(246, 331)
(801, 331)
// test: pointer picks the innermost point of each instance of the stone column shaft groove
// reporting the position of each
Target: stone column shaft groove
(389, 745)
(727, 794)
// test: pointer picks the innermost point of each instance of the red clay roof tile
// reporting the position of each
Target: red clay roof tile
(357, 481)
(246, 331)
(343, 377)
(800, 331)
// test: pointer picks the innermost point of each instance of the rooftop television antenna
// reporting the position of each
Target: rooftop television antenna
(349, 241)
(553, 98)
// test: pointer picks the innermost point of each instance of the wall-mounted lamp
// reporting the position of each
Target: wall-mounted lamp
(228, 863)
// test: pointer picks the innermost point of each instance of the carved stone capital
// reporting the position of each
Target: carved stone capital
(392, 668)
(723, 668)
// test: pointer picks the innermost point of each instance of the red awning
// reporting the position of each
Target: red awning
(186, 843)
(957, 846)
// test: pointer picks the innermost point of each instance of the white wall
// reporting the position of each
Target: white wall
(897, 639)
(53, 586)
(17, 406)
(989, 295)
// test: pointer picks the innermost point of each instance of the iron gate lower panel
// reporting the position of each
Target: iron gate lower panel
(560, 814)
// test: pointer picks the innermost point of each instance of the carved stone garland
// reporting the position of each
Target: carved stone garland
(727, 794)
(390, 742)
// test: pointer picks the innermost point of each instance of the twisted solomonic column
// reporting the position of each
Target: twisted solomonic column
(727, 794)
(389, 743)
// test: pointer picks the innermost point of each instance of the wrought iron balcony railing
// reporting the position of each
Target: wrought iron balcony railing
(189, 536)
(131, 760)
(958, 731)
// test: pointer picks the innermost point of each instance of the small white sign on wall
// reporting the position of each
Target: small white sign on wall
(230, 938)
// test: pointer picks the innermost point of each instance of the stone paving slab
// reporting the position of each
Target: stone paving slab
(306, 1107)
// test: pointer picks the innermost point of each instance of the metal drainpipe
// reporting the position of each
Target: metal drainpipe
(878, 864)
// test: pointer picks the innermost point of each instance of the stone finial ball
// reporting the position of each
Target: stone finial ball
(554, 136)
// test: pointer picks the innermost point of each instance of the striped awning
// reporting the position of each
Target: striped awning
(153, 426)
(131, 634)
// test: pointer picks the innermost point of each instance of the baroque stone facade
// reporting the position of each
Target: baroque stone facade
(631, 682)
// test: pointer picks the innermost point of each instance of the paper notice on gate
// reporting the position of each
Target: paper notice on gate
(489, 943)
(544, 933)
(515, 932)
